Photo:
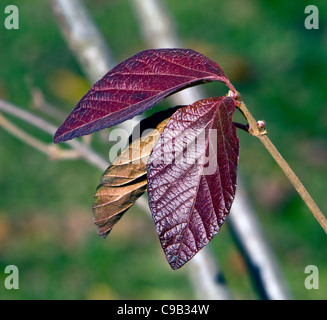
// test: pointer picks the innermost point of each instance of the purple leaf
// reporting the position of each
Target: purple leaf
(135, 85)
(192, 177)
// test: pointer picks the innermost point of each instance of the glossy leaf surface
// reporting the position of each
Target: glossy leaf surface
(192, 177)
(135, 85)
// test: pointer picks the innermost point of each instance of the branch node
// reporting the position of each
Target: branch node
(259, 130)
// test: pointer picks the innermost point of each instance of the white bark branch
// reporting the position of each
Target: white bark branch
(159, 31)
(84, 151)
(261, 262)
(83, 37)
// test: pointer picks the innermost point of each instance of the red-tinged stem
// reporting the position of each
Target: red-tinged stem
(241, 126)
(260, 132)
(231, 87)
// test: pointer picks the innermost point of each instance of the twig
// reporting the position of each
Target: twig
(54, 152)
(24, 136)
(241, 126)
(261, 133)
(295, 181)
(85, 152)
(39, 102)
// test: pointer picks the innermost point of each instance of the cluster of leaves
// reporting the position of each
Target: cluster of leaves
(188, 197)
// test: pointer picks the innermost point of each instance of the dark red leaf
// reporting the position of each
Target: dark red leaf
(135, 85)
(189, 198)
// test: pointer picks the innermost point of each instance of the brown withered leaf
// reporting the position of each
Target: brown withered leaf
(124, 181)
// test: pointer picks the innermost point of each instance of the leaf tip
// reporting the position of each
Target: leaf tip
(102, 234)
(56, 139)
(59, 136)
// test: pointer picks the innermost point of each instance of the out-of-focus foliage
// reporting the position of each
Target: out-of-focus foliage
(46, 226)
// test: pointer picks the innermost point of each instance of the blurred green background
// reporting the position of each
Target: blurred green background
(46, 226)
